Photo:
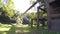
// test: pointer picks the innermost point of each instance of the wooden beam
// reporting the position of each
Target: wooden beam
(38, 17)
(48, 8)
(32, 7)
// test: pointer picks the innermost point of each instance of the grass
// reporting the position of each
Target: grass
(23, 29)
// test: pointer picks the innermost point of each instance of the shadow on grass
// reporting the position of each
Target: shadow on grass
(23, 30)
(12, 30)
(27, 30)
(18, 30)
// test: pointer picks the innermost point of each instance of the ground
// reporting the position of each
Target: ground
(23, 29)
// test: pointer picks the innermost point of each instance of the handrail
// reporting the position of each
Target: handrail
(31, 7)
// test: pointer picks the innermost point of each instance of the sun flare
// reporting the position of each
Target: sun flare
(22, 5)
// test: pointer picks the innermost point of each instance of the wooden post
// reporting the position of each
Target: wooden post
(31, 23)
(48, 13)
(38, 17)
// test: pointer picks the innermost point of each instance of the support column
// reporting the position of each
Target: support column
(38, 17)
(31, 23)
(48, 13)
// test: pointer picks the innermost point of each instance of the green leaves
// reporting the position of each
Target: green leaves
(7, 8)
(32, 15)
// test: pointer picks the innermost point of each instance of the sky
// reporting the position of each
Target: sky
(22, 5)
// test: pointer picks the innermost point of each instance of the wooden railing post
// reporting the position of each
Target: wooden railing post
(31, 23)
(48, 8)
(38, 17)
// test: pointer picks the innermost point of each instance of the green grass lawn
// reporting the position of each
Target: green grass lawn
(23, 29)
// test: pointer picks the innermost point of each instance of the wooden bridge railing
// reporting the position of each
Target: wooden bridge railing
(37, 11)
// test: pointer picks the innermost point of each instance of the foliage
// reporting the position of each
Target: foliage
(7, 8)
(33, 15)
(6, 11)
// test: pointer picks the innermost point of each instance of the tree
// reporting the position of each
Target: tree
(8, 9)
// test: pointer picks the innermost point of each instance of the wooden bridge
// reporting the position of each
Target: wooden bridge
(53, 13)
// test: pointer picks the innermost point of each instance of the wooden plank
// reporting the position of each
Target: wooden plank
(55, 25)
